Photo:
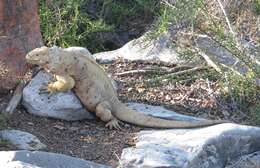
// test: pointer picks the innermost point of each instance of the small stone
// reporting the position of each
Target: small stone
(30, 123)
(127, 125)
(168, 97)
(74, 128)
(100, 128)
(165, 80)
(22, 140)
(140, 89)
(161, 93)
(59, 127)
(84, 132)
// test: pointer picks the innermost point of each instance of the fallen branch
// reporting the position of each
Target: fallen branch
(179, 68)
(155, 70)
(18, 92)
(183, 72)
(17, 96)
(138, 71)
(208, 60)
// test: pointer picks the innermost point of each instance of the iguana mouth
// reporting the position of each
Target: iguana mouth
(30, 60)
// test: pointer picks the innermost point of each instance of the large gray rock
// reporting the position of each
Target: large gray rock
(143, 48)
(22, 140)
(37, 159)
(192, 148)
(64, 106)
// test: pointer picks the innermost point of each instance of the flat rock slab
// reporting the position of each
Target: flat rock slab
(22, 140)
(192, 148)
(37, 159)
(143, 48)
(64, 106)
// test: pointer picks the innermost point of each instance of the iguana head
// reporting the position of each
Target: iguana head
(38, 56)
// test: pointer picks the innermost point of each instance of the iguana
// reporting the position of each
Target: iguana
(79, 70)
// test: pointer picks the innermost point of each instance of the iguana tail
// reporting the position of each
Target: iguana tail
(129, 115)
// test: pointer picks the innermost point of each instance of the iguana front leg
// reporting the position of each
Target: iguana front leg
(104, 113)
(61, 84)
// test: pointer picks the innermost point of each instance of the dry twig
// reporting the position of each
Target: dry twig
(162, 70)
(138, 71)
(208, 60)
(184, 72)
(17, 95)
(226, 17)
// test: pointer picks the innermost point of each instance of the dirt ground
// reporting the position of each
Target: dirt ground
(86, 139)
(90, 140)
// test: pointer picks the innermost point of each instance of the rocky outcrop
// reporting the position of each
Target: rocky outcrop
(208, 147)
(143, 48)
(64, 106)
(19, 33)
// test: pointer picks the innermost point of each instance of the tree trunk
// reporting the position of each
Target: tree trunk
(19, 33)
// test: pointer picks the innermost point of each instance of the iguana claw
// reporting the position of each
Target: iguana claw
(47, 88)
(114, 123)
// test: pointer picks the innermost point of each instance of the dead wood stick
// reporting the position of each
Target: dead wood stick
(18, 92)
(179, 68)
(138, 71)
(184, 72)
(208, 60)
(154, 70)
(17, 96)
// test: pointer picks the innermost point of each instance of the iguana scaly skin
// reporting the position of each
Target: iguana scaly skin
(78, 70)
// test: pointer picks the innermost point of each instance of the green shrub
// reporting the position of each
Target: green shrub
(255, 113)
(256, 5)
(67, 23)
(242, 91)
(119, 11)
(64, 24)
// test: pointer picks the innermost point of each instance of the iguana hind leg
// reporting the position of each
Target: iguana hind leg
(104, 113)
(61, 84)
(114, 123)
